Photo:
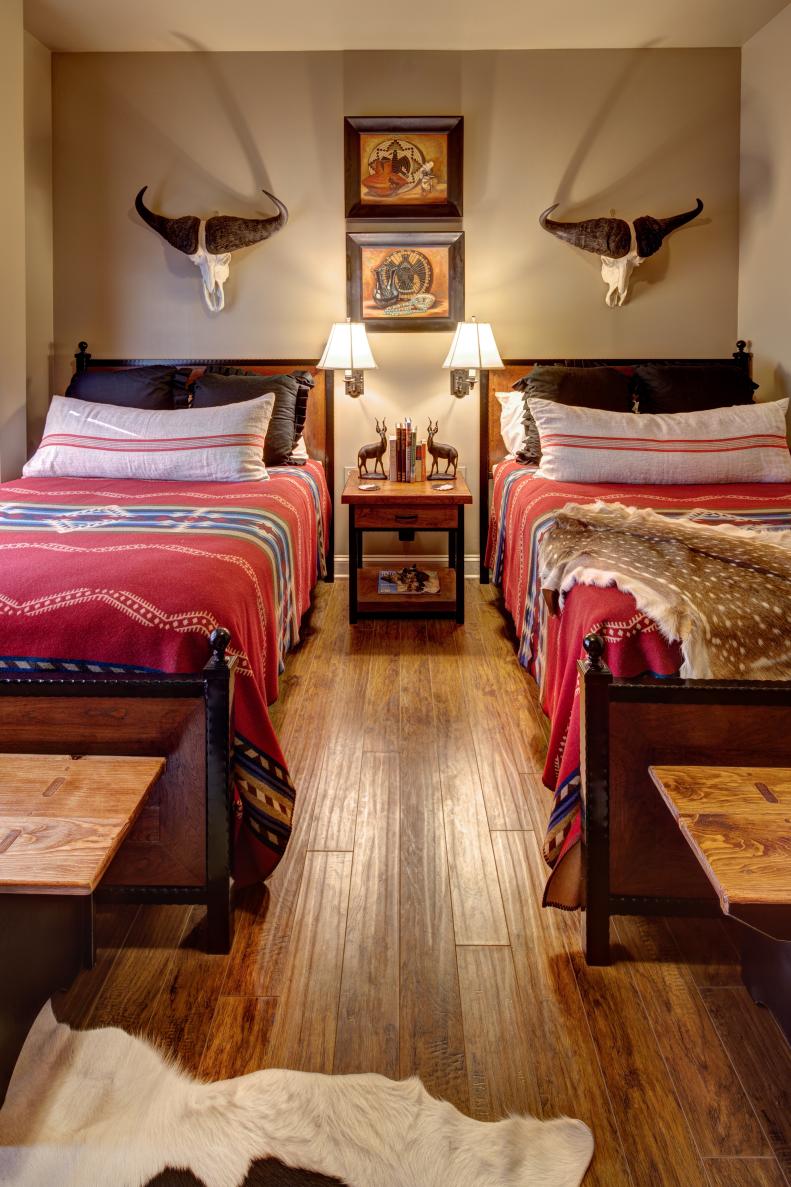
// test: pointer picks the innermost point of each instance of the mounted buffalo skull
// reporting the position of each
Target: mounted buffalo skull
(209, 242)
(622, 248)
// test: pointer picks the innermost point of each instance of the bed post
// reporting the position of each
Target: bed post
(483, 475)
(595, 680)
(217, 685)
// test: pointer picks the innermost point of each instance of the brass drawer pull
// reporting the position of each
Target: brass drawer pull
(406, 518)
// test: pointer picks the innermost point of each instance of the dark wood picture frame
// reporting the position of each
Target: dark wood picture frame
(451, 126)
(452, 240)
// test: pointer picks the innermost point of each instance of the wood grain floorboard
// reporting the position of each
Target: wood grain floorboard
(706, 947)
(431, 1040)
(539, 803)
(495, 733)
(382, 708)
(567, 1075)
(478, 915)
(762, 1058)
(240, 1037)
(141, 969)
(431, 1037)
(367, 1036)
(745, 1172)
(501, 1075)
(512, 708)
(182, 1015)
(717, 1109)
(335, 812)
(640, 1087)
(111, 927)
(518, 691)
(303, 1037)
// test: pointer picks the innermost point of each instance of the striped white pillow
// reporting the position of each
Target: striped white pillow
(84, 440)
(746, 443)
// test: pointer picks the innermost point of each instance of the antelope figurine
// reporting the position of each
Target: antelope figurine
(449, 452)
(375, 450)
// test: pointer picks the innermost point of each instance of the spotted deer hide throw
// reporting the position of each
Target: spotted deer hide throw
(723, 591)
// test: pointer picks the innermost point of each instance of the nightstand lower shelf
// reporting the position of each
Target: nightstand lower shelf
(406, 507)
(370, 601)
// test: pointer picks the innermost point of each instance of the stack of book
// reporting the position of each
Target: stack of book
(407, 455)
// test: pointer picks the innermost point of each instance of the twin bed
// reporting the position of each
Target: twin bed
(610, 844)
(111, 585)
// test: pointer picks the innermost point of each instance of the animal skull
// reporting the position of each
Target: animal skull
(214, 270)
(208, 243)
(617, 274)
(622, 247)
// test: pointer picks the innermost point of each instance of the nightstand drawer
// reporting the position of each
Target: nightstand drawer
(388, 518)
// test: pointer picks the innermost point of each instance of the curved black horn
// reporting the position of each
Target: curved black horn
(181, 233)
(224, 232)
(649, 232)
(604, 236)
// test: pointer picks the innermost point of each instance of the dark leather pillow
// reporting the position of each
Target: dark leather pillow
(230, 385)
(306, 384)
(693, 387)
(581, 387)
(138, 387)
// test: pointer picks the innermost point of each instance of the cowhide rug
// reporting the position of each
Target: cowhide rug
(100, 1108)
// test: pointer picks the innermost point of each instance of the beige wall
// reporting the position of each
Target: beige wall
(38, 233)
(638, 132)
(12, 221)
(765, 241)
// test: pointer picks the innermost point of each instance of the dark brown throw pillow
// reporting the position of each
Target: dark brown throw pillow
(301, 414)
(581, 387)
(230, 385)
(693, 387)
(137, 387)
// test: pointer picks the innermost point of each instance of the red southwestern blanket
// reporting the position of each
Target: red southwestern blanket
(103, 574)
(523, 508)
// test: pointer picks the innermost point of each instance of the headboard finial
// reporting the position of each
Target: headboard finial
(742, 355)
(82, 358)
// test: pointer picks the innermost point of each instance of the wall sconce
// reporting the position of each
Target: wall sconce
(473, 348)
(348, 350)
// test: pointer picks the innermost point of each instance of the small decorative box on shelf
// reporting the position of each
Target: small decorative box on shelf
(379, 505)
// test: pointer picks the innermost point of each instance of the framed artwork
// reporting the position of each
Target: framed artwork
(403, 166)
(405, 280)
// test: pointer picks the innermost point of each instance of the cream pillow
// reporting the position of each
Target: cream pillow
(512, 418)
(745, 443)
(85, 440)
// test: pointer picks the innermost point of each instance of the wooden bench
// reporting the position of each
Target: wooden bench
(737, 822)
(62, 820)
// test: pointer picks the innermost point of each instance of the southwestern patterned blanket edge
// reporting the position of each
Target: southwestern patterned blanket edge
(523, 509)
(103, 574)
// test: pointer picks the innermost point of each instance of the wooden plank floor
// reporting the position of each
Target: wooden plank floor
(403, 932)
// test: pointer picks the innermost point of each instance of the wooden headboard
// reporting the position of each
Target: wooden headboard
(319, 426)
(492, 449)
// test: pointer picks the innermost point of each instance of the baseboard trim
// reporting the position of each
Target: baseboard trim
(472, 562)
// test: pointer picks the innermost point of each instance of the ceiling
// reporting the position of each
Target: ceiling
(139, 25)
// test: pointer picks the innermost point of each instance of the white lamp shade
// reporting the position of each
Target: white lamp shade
(347, 348)
(473, 347)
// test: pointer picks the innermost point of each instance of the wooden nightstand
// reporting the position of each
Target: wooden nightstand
(406, 506)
